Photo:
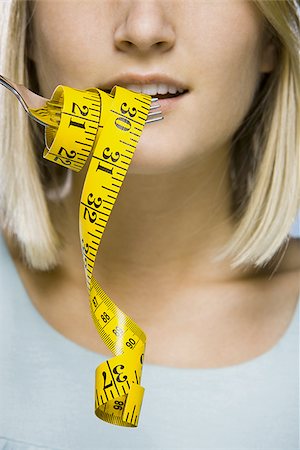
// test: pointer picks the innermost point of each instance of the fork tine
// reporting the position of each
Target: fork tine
(155, 106)
(154, 113)
(154, 120)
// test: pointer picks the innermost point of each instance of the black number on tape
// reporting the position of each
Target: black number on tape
(127, 111)
(65, 162)
(123, 120)
(91, 201)
(109, 155)
(76, 124)
(118, 331)
(130, 343)
(118, 405)
(92, 215)
(85, 247)
(105, 386)
(105, 317)
(72, 153)
(84, 107)
(119, 373)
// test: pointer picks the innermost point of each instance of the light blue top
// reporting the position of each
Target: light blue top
(47, 391)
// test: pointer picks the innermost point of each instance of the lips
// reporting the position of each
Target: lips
(167, 101)
(167, 104)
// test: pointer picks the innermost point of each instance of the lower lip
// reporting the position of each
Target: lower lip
(167, 104)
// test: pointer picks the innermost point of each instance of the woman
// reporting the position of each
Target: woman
(197, 251)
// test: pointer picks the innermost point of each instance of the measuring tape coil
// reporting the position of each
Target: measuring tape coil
(107, 127)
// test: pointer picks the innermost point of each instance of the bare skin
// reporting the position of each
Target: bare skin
(213, 324)
(173, 212)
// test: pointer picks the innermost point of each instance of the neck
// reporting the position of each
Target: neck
(164, 229)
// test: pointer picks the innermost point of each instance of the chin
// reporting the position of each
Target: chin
(159, 152)
(153, 161)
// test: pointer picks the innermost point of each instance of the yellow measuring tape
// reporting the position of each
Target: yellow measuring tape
(110, 125)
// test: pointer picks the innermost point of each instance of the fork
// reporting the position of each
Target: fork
(31, 101)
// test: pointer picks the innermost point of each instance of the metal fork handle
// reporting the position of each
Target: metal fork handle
(9, 86)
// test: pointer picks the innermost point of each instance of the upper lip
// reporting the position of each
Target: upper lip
(141, 79)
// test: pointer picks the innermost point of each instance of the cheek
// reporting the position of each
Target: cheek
(228, 77)
(65, 53)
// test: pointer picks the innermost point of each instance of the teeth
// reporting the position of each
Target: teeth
(162, 89)
(154, 89)
(150, 89)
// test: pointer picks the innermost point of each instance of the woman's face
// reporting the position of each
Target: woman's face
(216, 49)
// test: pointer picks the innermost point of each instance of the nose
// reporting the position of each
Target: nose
(145, 27)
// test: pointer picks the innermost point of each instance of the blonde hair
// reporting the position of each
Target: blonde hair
(265, 179)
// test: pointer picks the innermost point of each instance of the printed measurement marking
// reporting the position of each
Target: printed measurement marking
(84, 119)
(113, 378)
(106, 201)
(92, 98)
(133, 412)
(136, 377)
(93, 134)
(128, 118)
(88, 206)
(143, 101)
(139, 129)
(125, 162)
(83, 143)
(94, 237)
(104, 187)
(127, 143)
(112, 164)
(90, 259)
(85, 150)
